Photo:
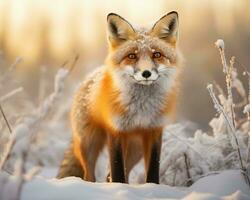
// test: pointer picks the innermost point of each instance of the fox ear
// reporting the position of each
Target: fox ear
(166, 28)
(119, 30)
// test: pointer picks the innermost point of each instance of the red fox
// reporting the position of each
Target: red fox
(126, 103)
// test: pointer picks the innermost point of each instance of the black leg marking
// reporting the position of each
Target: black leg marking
(154, 165)
(116, 161)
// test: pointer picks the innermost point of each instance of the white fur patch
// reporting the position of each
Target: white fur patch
(143, 103)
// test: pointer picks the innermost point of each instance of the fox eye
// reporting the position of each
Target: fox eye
(156, 55)
(132, 56)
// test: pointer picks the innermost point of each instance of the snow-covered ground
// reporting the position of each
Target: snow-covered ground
(226, 185)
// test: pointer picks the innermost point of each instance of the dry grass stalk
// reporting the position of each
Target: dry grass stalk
(5, 119)
(189, 180)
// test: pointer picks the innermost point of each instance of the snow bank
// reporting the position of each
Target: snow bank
(222, 184)
(227, 185)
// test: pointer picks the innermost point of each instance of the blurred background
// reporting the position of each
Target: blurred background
(44, 34)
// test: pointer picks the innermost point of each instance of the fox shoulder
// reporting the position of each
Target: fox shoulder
(85, 93)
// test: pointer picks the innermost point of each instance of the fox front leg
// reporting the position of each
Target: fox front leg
(152, 153)
(154, 166)
(116, 159)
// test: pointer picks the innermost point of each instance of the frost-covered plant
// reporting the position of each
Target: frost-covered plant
(23, 134)
(206, 153)
(23, 138)
(226, 106)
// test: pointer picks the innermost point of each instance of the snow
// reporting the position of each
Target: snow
(237, 84)
(226, 185)
(246, 109)
(220, 44)
(222, 184)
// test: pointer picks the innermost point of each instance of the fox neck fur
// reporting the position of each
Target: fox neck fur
(123, 106)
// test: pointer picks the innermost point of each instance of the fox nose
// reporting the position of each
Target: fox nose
(146, 74)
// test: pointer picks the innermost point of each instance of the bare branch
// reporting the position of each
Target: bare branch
(74, 63)
(5, 119)
(7, 152)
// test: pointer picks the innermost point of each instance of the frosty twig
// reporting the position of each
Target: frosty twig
(10, 94)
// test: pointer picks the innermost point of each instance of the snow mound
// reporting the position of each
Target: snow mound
(226, 185)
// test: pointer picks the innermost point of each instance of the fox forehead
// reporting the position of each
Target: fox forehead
(143, 43)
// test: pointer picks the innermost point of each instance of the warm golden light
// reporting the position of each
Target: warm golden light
(32, 29)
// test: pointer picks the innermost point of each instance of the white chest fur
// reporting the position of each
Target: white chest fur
(143, 107)
(143, 103)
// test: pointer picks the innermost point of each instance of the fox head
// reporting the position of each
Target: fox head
(143, 56)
